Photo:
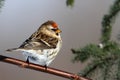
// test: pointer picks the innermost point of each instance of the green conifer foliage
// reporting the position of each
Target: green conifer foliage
(104, 58)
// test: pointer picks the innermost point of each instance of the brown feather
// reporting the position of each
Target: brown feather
(39, 38)
(43, 38)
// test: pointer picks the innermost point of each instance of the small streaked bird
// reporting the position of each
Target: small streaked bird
(43, 45)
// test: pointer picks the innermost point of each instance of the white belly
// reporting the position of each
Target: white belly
(42, 57)
(36, 58)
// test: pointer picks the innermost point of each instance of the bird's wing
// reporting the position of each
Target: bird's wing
(40, 41)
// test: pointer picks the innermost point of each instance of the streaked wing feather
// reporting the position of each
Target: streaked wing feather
(40, 41)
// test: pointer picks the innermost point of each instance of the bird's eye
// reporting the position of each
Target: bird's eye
(53, 29)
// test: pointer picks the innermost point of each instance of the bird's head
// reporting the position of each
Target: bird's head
(50, 27)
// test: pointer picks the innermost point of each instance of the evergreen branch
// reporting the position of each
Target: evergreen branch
(90, 68)
(106, 70)
(109, 69)
(105, 57)
(108, 19)
(1, 3)
(42, 68)
(90, 50)
(104, 63)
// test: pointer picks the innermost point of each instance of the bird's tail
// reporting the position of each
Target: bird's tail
(13, 49)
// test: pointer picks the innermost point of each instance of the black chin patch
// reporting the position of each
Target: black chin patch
(57, 34)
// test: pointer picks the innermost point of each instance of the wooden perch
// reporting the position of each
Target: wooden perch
(42, 68)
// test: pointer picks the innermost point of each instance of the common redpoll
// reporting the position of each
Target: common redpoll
(43, 45)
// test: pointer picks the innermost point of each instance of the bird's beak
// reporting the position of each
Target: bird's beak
(58, 31)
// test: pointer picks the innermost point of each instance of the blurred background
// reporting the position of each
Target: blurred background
(80, 25)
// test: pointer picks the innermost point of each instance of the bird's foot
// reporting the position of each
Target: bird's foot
(45, 67)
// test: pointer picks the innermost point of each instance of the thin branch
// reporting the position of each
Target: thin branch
(42, 68)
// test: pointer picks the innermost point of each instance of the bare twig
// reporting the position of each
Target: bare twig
(42, 68)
